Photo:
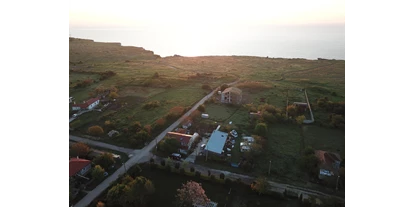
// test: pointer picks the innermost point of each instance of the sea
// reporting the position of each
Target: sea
(276, 41)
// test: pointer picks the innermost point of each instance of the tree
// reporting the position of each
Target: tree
(292, 110)
(223, 87)
(106, 160)
(117, 195)
(147, 128)
(100, 204)
(222, 176)
(113, 95)
(140, 189)
(337, 121)
(260, 185)
(300, 119)
(79, 149)
(260, 129)
(95, 130)
(142, 136)
(201, 108)
(191, 193)
(169, 145)
(98, 172)
(309, 163)
(156, 75)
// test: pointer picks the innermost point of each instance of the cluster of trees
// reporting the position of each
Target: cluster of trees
(84, 83)
(308, 162)
(175, 113)
(337, 110)
(131, 192)
(151, 105)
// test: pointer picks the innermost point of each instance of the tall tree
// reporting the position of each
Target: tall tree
(191, 193)
(98, 172)
(141, 189)
(300, 119)
(260, 185)
(79, 149)
(106, 160)
(118, 194)
(261, 129)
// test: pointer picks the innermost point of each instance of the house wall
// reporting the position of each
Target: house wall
(93, 105)
(85, 169)
(75, 108)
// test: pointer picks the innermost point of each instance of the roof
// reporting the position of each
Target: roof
(87, 103)
(77, 164)
(300, 103)
(182, 138)
(328, 159)
(216, 142)
(232, 90)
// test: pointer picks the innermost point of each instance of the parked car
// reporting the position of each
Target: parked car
(233, 133)
(175, 156)
(105, 174)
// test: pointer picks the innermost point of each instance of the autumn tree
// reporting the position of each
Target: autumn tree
(201, 108)
(79, 149)
(117, 195)
(292, 110)
(260, 129)
(260, 185)
(100, 204)
(147, 128)
(142, 136)
(95, 130)
(135, 126)
(169, 145)
(300, 119)
(140, 190)
(106, 160)
(191, 193)
(113, 95)
(98, 172)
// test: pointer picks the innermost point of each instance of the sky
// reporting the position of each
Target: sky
(183, 13)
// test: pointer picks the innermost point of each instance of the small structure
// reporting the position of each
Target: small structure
(231, 95)
(113, 133)
(209, 204)
(185, 140)
(205, 116)
(79, 167)
(187, 124)
(329, 163)
(71, 99)
(89, 104)
(301, 105)
(216, 142)
(248, 139)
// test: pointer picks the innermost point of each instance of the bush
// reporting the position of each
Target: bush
(192, 169)
(177, 165)
(182, 171)
(151, 105)
(206, 87)
(212, 177)
(201, 108)
(222, 176)
(163, 162)
(198, 174)
(208, 172)
(95, 130)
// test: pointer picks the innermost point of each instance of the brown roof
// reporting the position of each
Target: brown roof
(182, 138)
(87, 103)
(327, 158)
(76, 164)
(233, 90)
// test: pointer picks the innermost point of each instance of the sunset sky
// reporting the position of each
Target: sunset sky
(204, 13)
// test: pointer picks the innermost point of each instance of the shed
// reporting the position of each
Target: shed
(216, 142)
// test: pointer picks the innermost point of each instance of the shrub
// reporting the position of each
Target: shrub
(177, 165)
(192, 169)
(201, 108)
(95, 130)
(163, 162)
(222, 176)
(151, 105)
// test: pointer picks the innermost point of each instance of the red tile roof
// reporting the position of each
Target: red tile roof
(182, 138)
(76, 164)
(87, 103)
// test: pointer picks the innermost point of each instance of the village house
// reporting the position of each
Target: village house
(186, 140)
(89, 104)
(79, 167)
(231, 95)
(329, 164)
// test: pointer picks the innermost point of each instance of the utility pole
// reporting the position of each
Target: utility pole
(270, 164)
(337, 183)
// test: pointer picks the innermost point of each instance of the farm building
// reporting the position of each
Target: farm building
(186, 140)
(301, 105)
(231, 95)
(216, 142)
(89, 104)
(329, 163)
